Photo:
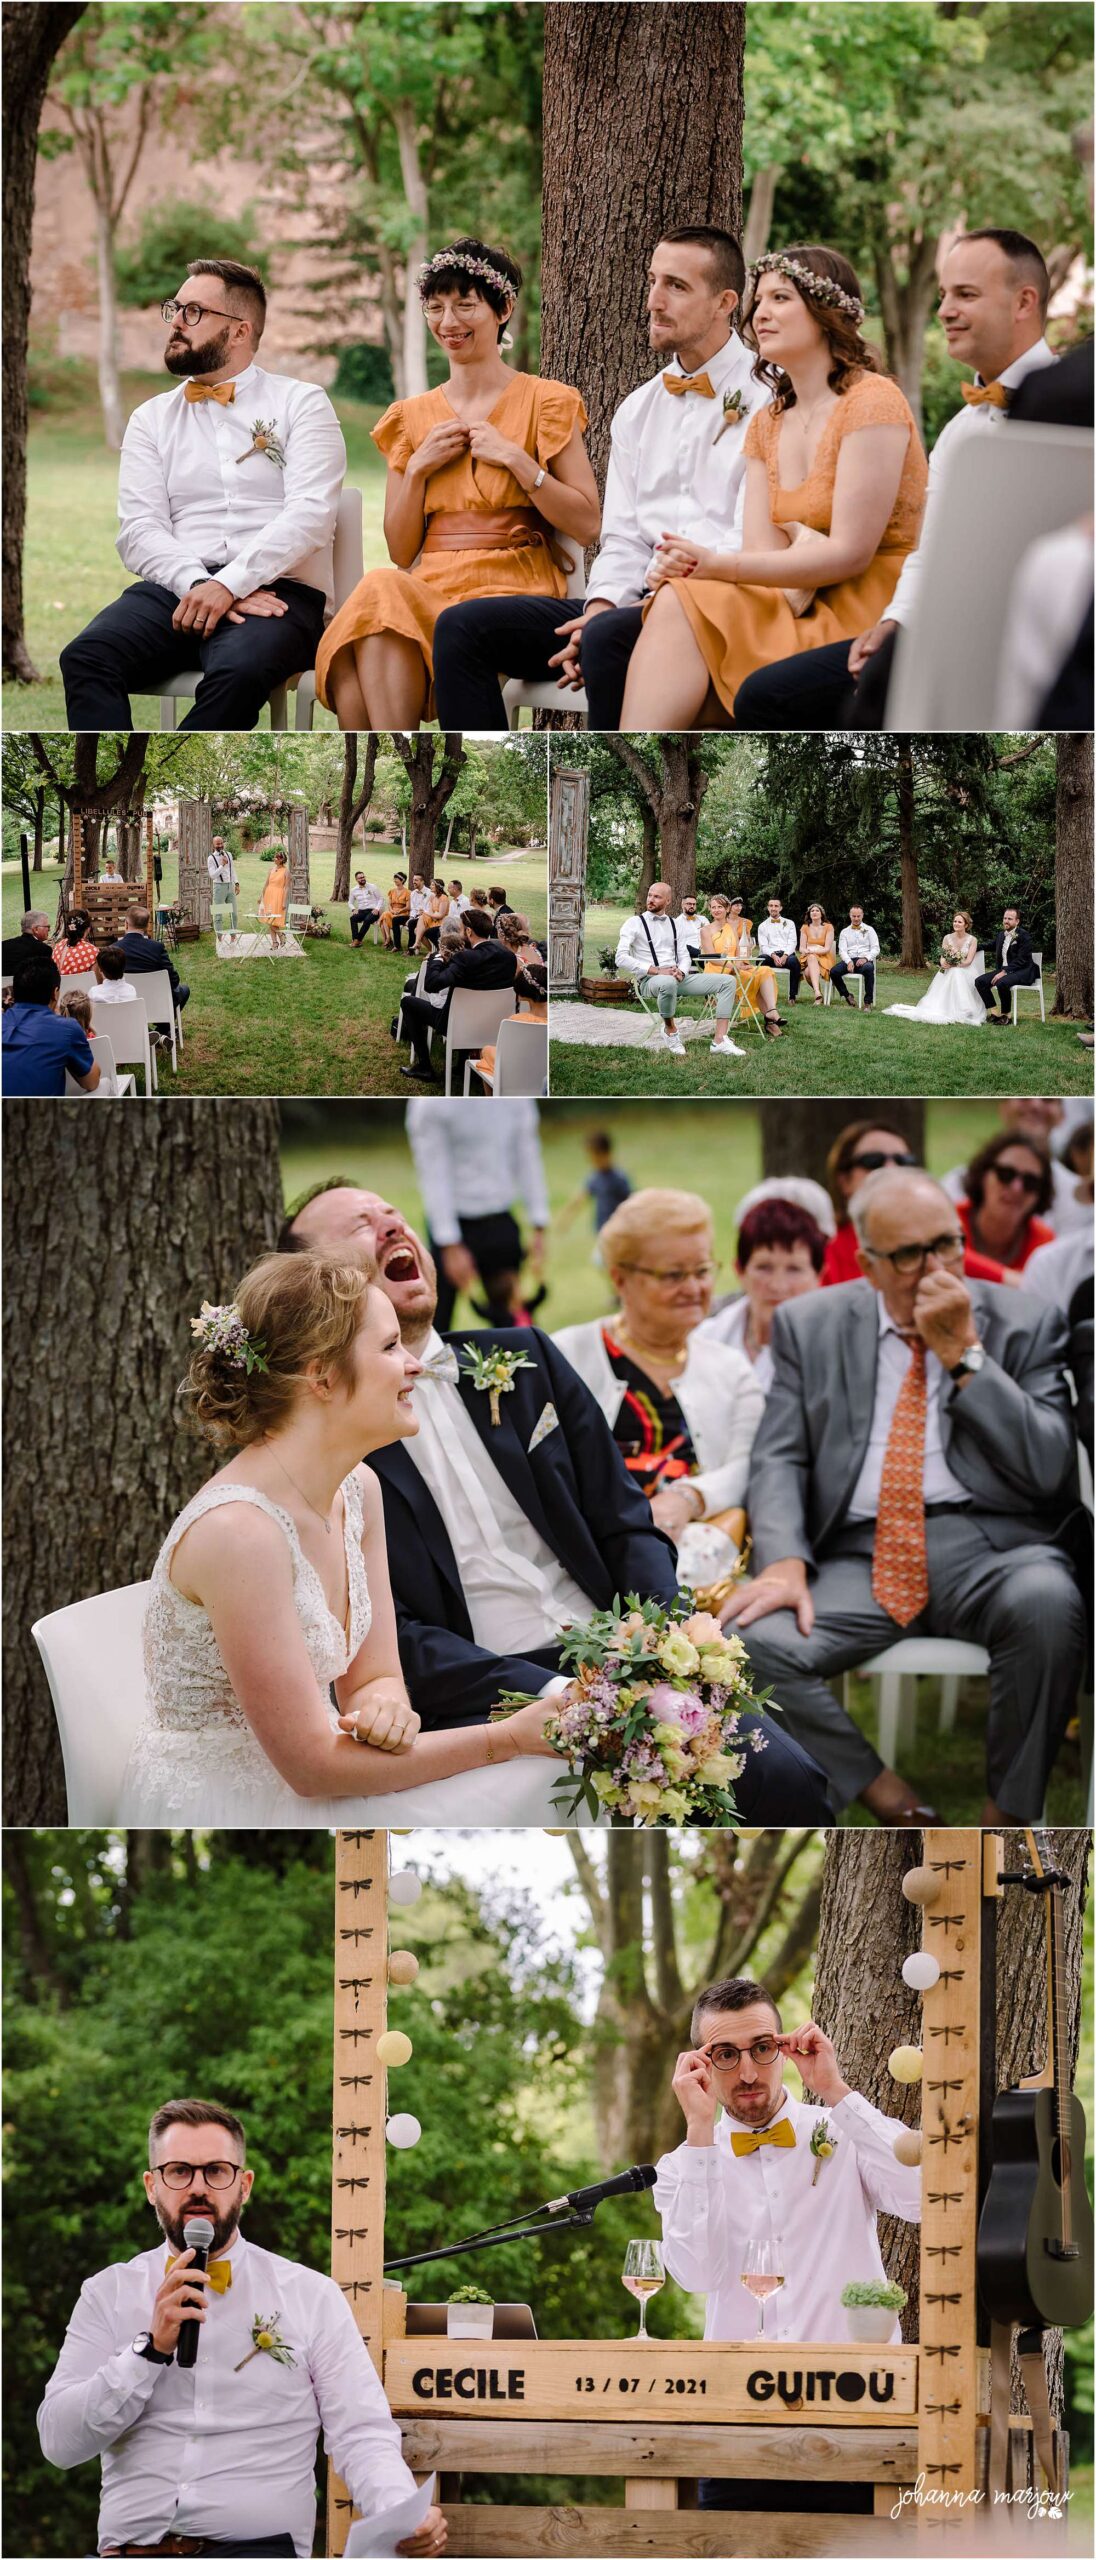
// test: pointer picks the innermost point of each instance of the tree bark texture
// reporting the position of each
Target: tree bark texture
(672, 780)
(431, 792)
(1073, 879)
(643, 110)
(353, 802)
(913, 941)
(796, 1137)
(33, 34)
(195, 847)
(115, 1236)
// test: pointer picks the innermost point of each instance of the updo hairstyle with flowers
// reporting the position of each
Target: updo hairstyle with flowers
(850, 353)
(290, 1310)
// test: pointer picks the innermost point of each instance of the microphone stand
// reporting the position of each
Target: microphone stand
(579, 2219)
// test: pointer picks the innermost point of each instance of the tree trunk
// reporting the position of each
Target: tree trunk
(642, 132)
(1073, 879)
(110, 388)
(195, 847)
(418, 248)
(352, 804)
(648, 870)
(759, 216)
(913, 944)
(796, 1136)
(300, 891)
(39, 828)
(42, 1980)
(905, 309)
(430, 792)
(32, 36)
(674, 791)
(119, 1240)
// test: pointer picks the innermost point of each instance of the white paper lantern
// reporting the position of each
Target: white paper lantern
(402, 1967)
(919, 1884)
(907, 2148)
(921, 1972)
(404, 1888)
(905, 2064)
(403, 2132)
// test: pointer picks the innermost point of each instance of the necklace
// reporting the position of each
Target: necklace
(670, 1361)
(318, 1515)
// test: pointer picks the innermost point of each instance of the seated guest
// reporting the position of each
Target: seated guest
(432, 917)
(499, 905)
(396, 913)
(776, 941)
(456, 896)
(724, 951)
(514, 931)
(683, 1408)
(778, 1256)
(816, 949)
(75, 952)
(111, 983)
(481, 962)
(994, 290)
(858, 947)
(1043, 1117)
(366, 901)
(1008, 1193)
(227, 495)
(835, 484)
(479, 899)
(531, 986)
(141, 954)
(450, 941)
(40, 1044)
(1015, 965)
(917, 1474)
(688, 924)
(676, 460)
(32, 937)
(865, 1147)
(490, 492)
(651, 950)
(75, 1006)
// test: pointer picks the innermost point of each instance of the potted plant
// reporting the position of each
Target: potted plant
(610, 987)
(187, 929)
(871, 2309)
(471, 2314)
(318, 928)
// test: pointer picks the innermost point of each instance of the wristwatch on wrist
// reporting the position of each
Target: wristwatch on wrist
(143, 2346)
(541, 476)
(972, 1360)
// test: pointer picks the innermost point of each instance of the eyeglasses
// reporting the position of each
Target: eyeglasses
(213, 2173)
(1013, 1174)
(874, 1161)
(192, 312)
(673, 1279)
(907, 1258)
(726, 2057)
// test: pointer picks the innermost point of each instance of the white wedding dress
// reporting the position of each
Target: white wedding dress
(195, 1759)
(952, 997)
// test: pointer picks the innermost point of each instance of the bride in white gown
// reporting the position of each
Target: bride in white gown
(273, 1583)
(953, 996)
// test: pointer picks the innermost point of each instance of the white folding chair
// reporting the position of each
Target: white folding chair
(545, 695)
(111, 1085)
(521, 1059)
(855, 984)
(1002, 490)
(895, 1673)
(347, 569)
(126, 1028)
(746, 1008)
(92, 1657)
(475, 1015)
(153, 988)
(298, 917)
(1036, 991)
(84, 978)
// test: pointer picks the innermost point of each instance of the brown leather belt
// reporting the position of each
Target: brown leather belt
(507, 529)
(180, 2544)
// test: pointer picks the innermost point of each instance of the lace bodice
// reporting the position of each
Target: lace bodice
(187, 1685)
(870, 400)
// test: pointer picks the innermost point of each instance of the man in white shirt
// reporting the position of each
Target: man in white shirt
(653, 950)
(746, 2170)
(688, 924)
(469, 1185)
(857, 953)
(994, 291)
(111, 983)
(218, 2457)
(677, 465)
(366, 901)
(226, 887)
(778, 940)
(227, 497)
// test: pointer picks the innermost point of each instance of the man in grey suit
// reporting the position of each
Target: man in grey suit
(913, 1474)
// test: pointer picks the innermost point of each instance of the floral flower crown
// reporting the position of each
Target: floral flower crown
(817, 288)
(468, 267)
(223, 1329)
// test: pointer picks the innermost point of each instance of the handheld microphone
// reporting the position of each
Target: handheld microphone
(630, 2182)
(199, 2234)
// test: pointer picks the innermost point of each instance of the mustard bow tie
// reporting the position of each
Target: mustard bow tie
(223, 393)
(679, 382)
(979, 395)
(219, 2272)
(783, 2134)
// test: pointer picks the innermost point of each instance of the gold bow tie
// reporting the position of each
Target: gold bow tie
(978, 395)
(679, 382)
(219, 2272)
(223, 393)
(783, 2134)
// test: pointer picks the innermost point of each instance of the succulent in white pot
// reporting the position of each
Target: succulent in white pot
(871, 2309)
(471, 2314)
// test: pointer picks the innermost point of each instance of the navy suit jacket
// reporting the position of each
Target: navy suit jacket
(576, 1490)
(1021, 958)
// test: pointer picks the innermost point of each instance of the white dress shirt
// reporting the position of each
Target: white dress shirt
(668, 474)
(517, 1593)
(776, 940)
(370, 896)
(938, 1482)
(858, 942)
(689, 928)
(719, 1394)
(729, 1324)
(213, 2451)
(651, 942)
(712, 2203)
(190, 505)
(984, 419)
(462, 1174)
(220, 867)
(114, 991)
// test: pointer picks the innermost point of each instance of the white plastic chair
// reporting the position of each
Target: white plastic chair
(298, 916)
(91, 1653)
(84, 978)
(475, 1015)
(111, 1085)
(545, 695)
(153, 989)
(347, 568)
(895, 1673)
(521, 1059)
(1002, 490)
(1036, 991)
(126, 1028)
(853, 980)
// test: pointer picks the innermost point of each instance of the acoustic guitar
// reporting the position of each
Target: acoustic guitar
(1034, 2255)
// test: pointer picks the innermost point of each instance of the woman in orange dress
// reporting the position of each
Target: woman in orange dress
(725, 952)
(490, 493)
(275, 898)
(835, 487)
(817, 949)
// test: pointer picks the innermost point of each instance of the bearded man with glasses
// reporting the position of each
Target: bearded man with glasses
(227, 496)
(917, 1474)
(218, 2457)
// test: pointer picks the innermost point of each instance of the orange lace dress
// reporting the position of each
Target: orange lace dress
(751, 980)
(816, 942)
(738, 629)
(541, 416)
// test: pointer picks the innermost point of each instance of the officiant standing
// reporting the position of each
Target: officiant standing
(218, 2457)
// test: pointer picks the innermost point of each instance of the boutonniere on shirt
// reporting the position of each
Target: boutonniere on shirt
(493, 1372)
(823, 2144)
(735, 408)
(267, 2341)
(264, 439)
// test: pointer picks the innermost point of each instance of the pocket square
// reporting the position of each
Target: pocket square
(549, 1421)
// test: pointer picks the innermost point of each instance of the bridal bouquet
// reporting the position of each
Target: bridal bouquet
(650, 1725)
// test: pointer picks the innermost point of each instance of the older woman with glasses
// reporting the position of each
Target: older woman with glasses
(682, 1408)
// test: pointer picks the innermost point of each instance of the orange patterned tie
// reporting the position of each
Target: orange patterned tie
(900, 1572)
(978, 395)
(681, 382)
(223, 392)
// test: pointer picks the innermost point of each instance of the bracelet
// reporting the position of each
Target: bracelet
(494, 1758)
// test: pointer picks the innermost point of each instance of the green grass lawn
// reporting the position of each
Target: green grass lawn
(315, 1025)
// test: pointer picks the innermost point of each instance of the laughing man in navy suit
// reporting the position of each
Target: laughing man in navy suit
(500, 1533)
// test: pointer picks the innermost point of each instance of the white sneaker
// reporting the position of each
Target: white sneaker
(674, 1045)
(726, 1049)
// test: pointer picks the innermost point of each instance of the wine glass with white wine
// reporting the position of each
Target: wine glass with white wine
(644, 2275)
(762, 2273)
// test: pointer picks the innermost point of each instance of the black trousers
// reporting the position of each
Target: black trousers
(494, 1242)
(814, 690)
(864, 969)
(792, 965)
(475, 643)
(360, 923)
(131, 648)
(1012, 978)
